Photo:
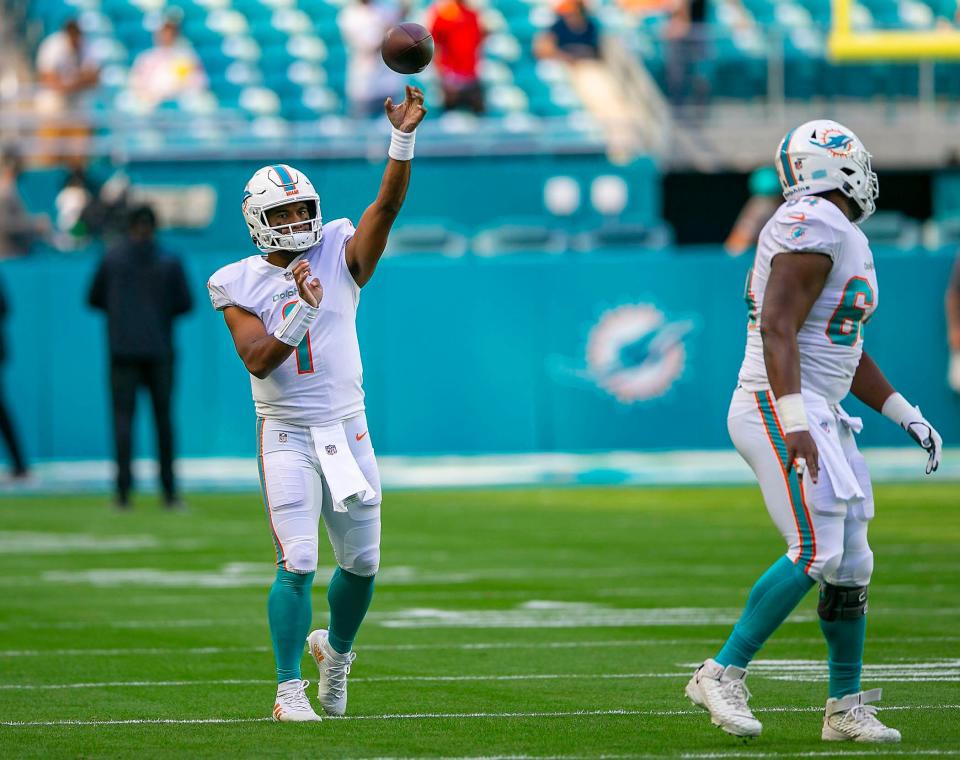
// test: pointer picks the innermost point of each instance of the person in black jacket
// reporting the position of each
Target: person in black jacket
(141, 291)
(6, 424)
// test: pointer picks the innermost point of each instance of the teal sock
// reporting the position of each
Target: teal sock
(289, 612)
(845, 640)
(349, 596)
(772, 598)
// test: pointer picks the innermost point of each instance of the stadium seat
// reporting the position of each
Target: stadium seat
(624, 236)
(518, 236)
(425, 236)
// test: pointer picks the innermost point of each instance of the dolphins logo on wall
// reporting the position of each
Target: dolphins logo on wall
(635, 354)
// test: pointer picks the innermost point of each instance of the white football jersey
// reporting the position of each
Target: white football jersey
(831, 339)
(321, 382)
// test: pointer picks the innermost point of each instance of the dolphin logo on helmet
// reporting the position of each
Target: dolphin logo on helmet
(823, 155)
(273, 186)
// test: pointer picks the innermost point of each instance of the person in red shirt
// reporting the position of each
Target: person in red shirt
(457, 36)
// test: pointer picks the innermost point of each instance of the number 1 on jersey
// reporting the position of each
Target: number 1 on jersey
(846, 325)
(304, 354)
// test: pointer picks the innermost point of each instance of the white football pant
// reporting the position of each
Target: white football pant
(297, 496)
(825, 534)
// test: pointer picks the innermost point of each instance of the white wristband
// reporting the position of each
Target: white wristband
(792, 413)
(401, 145)
(897, 408)
(296, 323)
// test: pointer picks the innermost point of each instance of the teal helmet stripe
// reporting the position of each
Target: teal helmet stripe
(285, 178)
(785, 160)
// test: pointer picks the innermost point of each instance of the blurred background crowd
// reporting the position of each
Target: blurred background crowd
(558, 128)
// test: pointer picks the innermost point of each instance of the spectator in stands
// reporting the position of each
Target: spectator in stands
(141, 292)
(169, 70)
(19, 230)
(19, 470)
(687, 49)
(87, 210)
(953, 326)
(765, 199)
(574, 35)
(66, 70)
(457, 36)
(363, 24)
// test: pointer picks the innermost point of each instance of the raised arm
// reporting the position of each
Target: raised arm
(263, 352)
(365, 248)
(796, 280)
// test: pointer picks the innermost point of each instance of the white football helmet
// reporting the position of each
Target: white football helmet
(273, 186)
(823, 155)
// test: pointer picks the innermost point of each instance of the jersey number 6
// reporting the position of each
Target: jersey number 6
(846, 325)
(304, 354)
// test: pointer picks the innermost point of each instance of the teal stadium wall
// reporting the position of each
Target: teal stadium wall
(473, 355)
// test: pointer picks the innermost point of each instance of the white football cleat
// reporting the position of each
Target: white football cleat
(292, 705)
(853, 719)
(334, 669)
(722, 692)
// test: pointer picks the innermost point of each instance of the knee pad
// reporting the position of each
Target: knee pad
(826, 565)
(842, 602)
(365, 562)
(858, 567)
(300, 557)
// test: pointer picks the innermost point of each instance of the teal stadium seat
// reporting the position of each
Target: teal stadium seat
(886, 13)
(763, 11)
(819, 10)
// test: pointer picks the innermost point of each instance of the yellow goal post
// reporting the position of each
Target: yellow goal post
(845, 44)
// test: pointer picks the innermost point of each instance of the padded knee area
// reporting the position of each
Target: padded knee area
(842, 602)
(361, 549)
(301, 557)
(826, 564)
(366, 563)
(857, 569)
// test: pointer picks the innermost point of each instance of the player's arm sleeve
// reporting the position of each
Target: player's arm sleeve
(219, 294)
(800, 229)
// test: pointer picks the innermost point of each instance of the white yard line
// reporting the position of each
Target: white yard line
(878, 752)
(914, 673)
(470, 646)
(368, 679)
(442, 716)
(70, 625)
(467, 646)
(139, 652)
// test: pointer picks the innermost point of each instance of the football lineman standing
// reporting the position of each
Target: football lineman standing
(292, 314)
(812, 287)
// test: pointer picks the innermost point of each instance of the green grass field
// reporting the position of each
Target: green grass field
(508, 623)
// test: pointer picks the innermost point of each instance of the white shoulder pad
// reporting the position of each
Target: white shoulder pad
(219, 285)
(809, 224)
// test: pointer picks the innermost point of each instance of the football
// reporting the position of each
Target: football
(407, 48)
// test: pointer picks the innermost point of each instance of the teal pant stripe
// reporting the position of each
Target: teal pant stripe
(263, 490)
(808, 545)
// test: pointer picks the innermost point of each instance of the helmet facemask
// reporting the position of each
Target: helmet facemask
(292, 236)
(861, 184)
